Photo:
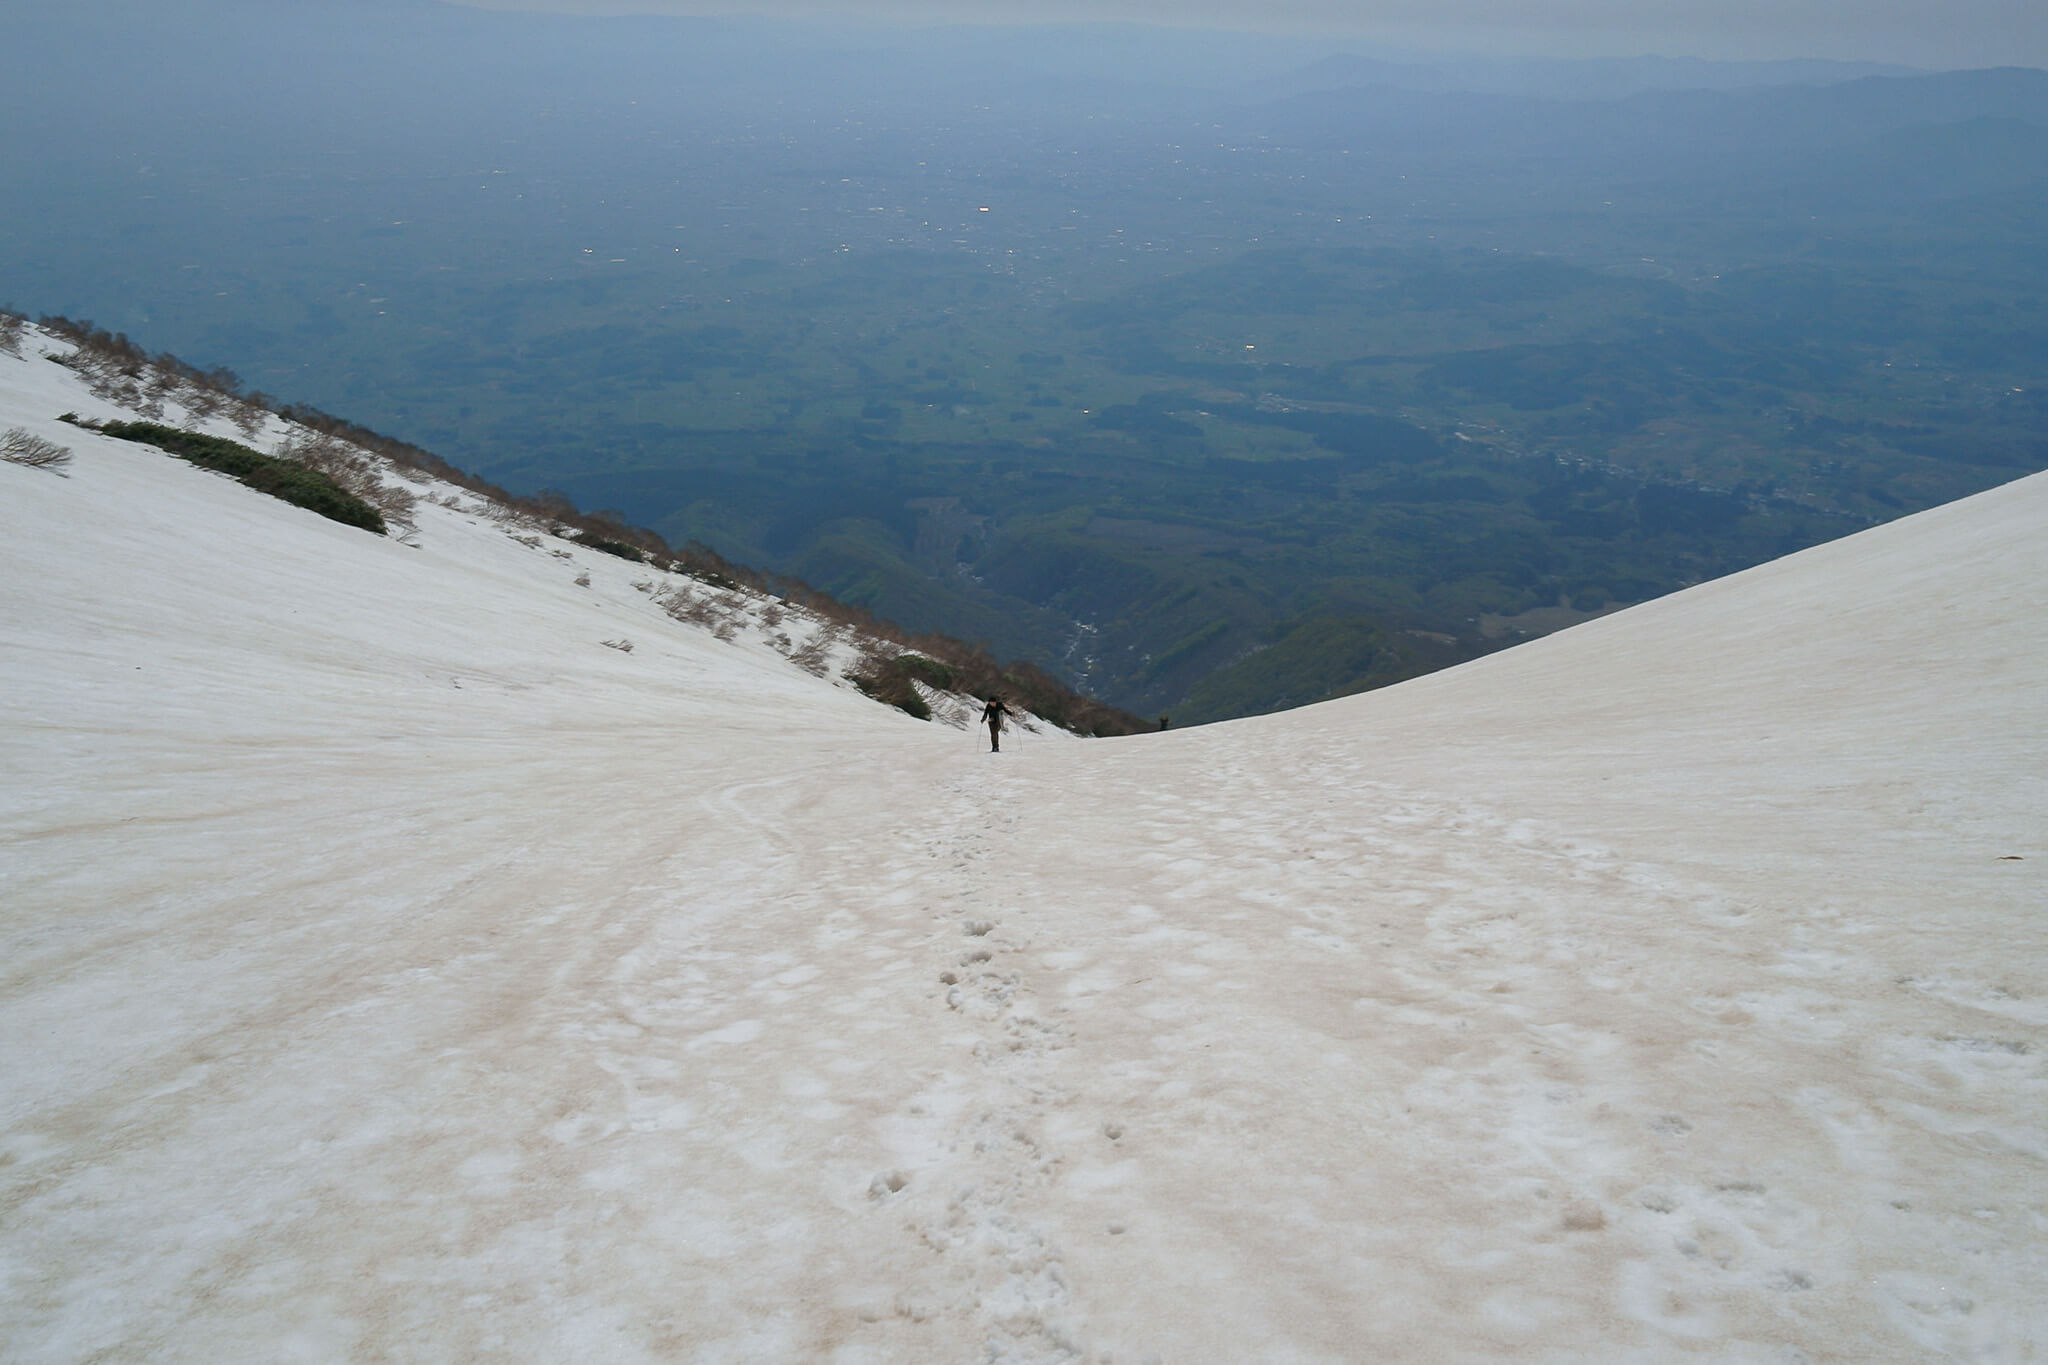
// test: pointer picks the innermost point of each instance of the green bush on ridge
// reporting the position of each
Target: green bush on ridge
(930, 672)
(888, 682)
(294, 483)
(614, 547)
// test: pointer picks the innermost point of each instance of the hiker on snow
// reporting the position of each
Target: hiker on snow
(993, 713)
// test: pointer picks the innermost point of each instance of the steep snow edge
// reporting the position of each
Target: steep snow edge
(46, 379)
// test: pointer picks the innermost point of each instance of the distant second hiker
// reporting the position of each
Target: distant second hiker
(993, 714)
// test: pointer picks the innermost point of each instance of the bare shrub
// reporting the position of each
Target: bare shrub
(201, 401)
(353, 470)
(160, 383)
(112, 366)
(496, 511)
(249, 414)
(115, 388)
(400, 506)
(691, 608)
(814, 655)
(11, 326)
(330, 455)
(19, 446)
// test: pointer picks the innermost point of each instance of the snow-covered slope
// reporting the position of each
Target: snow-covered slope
(390, 970)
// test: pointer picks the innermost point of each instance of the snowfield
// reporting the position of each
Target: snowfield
(390, 970)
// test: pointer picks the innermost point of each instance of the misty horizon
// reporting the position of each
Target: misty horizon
(1909, 33)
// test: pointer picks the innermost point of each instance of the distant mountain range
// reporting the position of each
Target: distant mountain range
(1583, 79)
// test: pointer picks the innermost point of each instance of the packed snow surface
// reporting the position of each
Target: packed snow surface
(391, 970)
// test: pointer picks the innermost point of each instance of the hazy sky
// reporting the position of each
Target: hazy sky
(1939, 33)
